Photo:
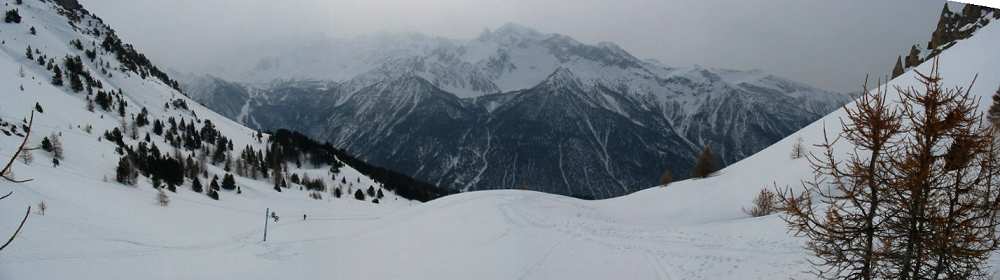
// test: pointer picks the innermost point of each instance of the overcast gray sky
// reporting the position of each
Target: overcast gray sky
(830, 44)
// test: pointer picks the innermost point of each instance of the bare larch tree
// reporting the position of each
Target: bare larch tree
(843, 236)
(917, 198)
(944, 196)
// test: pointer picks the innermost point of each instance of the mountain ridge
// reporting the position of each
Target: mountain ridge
(459, 135)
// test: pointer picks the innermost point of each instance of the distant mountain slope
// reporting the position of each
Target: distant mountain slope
(517, 108)
(125, 125)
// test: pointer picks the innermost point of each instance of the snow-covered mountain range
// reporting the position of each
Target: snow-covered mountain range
(515, 108)
(99, 229)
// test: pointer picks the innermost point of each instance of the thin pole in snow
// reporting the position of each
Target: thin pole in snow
(266, 212)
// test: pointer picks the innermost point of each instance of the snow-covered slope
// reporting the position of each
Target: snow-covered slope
(92, 223)
(692, 229)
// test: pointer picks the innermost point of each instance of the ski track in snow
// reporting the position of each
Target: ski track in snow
(650, 243)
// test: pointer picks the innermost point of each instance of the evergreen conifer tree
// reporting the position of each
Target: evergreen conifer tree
(898, 69)
(57, 76)
(157, 183)
(228, 182)
(913, 59)
(196, 185)
(124, 171)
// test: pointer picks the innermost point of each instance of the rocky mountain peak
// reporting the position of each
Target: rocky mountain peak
(561, 78)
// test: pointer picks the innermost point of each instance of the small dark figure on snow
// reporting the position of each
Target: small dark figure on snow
(274, 216)
(303, 217)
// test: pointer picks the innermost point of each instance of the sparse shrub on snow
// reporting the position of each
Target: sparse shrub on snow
(162, 198)
(666, 178)
(26, 157)
(764, 203)
(42, 207)
(56, 146)
(705, 164)
(798, 151)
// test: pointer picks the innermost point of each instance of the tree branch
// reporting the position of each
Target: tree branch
(20, 148)
(18, 229)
